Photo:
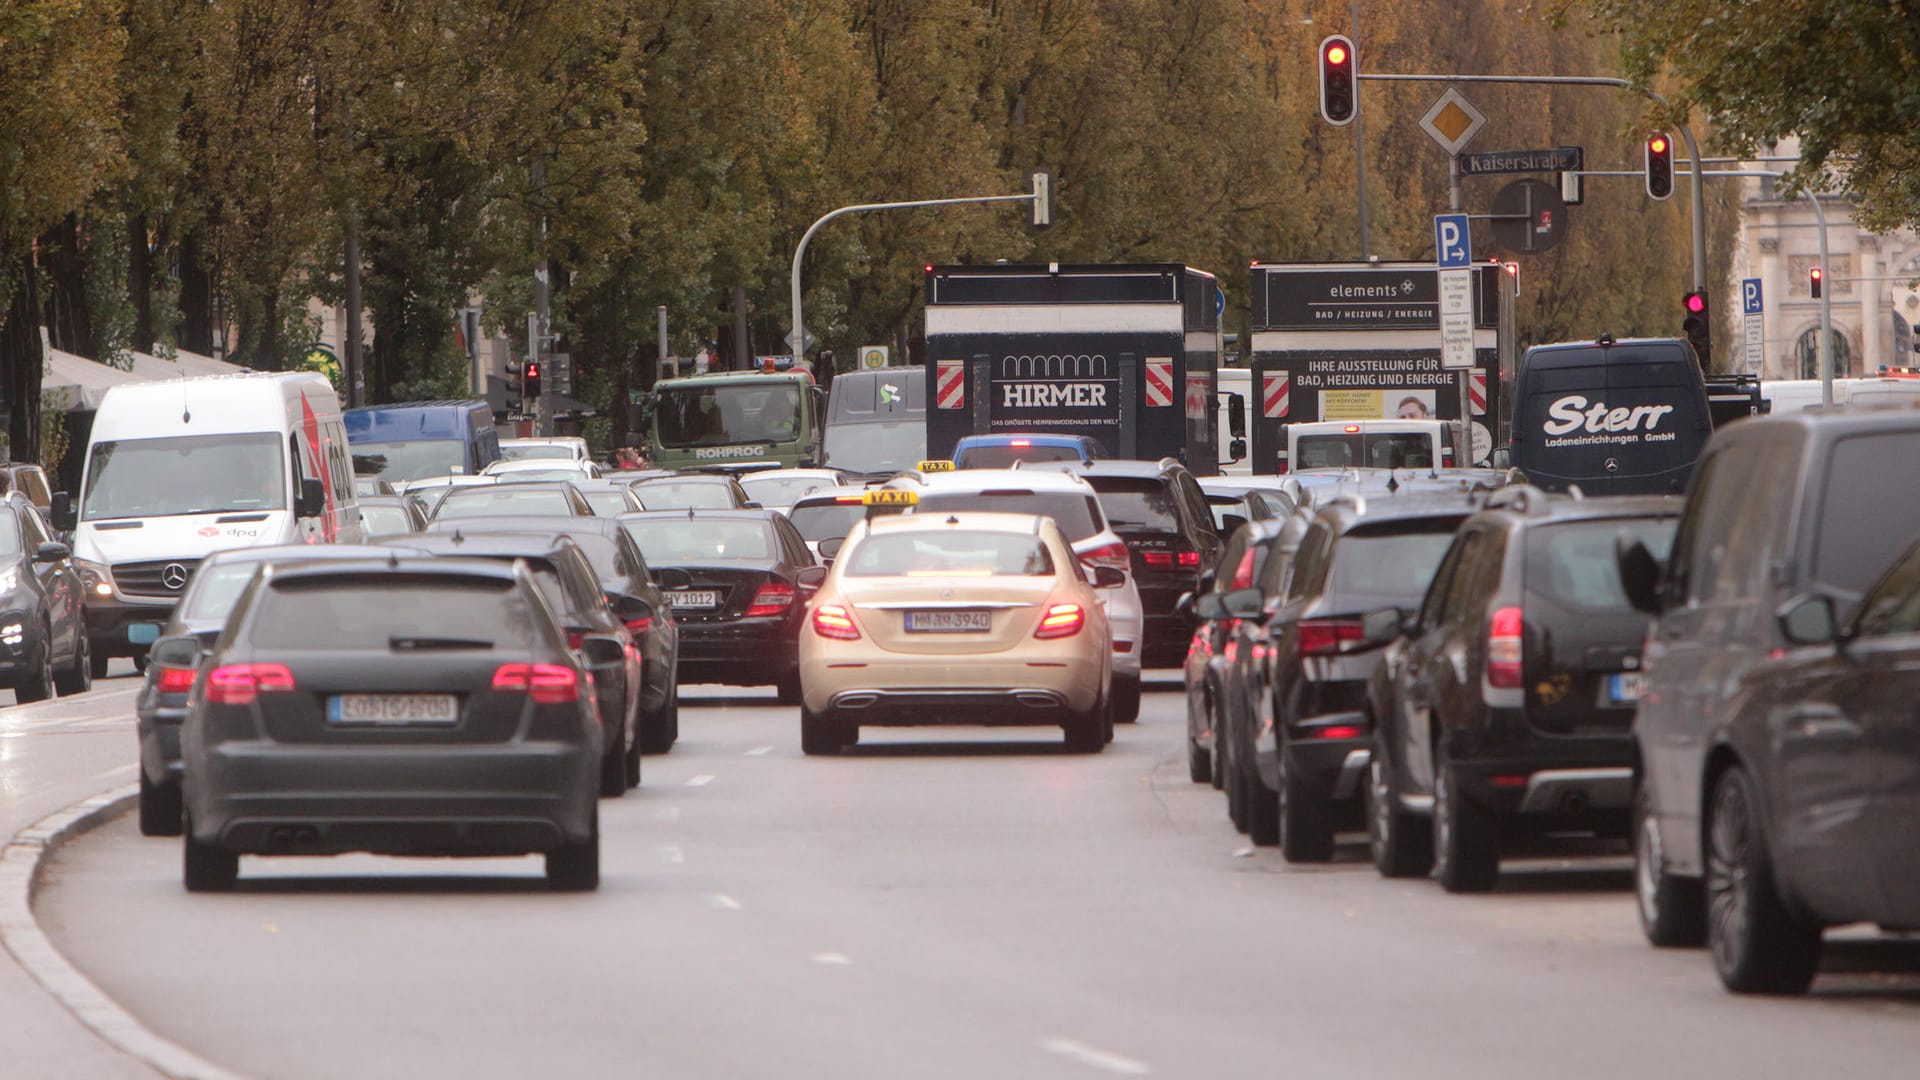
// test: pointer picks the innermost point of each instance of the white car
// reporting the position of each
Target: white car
(542, 469)
(779, 489)
(558, 448)
(1072, 505)
(970, 618)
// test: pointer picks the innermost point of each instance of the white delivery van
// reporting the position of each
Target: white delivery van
(180, 468)
(1375, 444)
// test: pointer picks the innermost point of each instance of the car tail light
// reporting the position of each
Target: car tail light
(1337, 731)
(773, 598)
(576, 638)
(546, 684)
(1323, 637)
(1167, 560)
(640, 626)
(174, 680)
(834, 621)
(1114, 555)
(1061, 620)
(1504, 648)
(1021, 444)
(239, 684)
(1281, 463)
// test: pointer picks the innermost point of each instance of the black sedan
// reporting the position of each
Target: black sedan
(43, 634)
(404, 707)
(741, 611)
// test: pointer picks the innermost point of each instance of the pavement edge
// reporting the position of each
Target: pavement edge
(20, 865)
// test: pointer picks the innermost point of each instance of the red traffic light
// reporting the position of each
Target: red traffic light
(1659, 166)
(1814, 279)
(1336, 54)
(1339, 86)
(1658, 144)
(1696, 303)
(533, 369)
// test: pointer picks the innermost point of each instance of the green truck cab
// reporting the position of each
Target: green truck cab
(737, 418)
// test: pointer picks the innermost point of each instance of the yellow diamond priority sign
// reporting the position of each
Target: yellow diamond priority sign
(1453, 121)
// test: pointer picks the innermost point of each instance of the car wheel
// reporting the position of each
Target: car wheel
(159, 807)
(1260, 807)
(575, 867)
(630, 764)
(1235, 791)
(1199, 763)
(613, 767)
(1126, 699)
(1759, 947)
(1306, 833)
(819, 734)
(77, 679)
(1673, 909)
(1107, 720)
(207, 867)
(659, 730)
(1401, 844)
(1087, 731)
(140, 663)
(39, 685)
(787, 688)
(1466, 850)
(99, 665)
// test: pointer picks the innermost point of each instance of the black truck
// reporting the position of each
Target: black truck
(1125, 354)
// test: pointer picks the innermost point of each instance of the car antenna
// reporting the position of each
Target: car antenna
(459, 537)
(186, 409)
(393, 559)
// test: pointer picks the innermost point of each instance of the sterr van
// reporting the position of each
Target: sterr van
(1613, 417)
(181, 468)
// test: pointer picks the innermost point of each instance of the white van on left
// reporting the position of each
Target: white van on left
(181, 468)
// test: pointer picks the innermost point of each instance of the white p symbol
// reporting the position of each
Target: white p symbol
(1449, 238)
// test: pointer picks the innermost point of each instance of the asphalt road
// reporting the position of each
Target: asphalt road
(945, 903)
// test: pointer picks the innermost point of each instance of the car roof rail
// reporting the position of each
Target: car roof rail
(1347, 498)
(1521, 498)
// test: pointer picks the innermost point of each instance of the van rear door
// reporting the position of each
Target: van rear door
(1621, 419)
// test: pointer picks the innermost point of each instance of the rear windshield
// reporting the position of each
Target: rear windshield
(823, 521)
(950, 554)
(1573, 562)
(1002, 457)
(1137, 504)
(215, 588)
(537, 451)
(1078, 516)
(502, 499)
(362, 614)
(607, 503)
(1393, 566)
(656, 496)
(1390, 450)
(512, 476)
(783, 490)
(385, 520)
(678, 542)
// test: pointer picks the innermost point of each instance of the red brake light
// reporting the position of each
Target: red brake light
(1322, 637)
(1504, 648)
(1021, 443)
(1167, 560)
(773, 598)
(1352, 428)
(1114, 555)
(834, 621)
(1061, 620)
(239, 684)
(576, 638)
(546, 684)
(640, 626)
(1281, 470)
(1188, 560)
(174, 680)
(849, 500)
(1337, 731)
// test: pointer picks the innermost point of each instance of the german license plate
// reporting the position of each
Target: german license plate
(949, 622)
(393, 709)
(1625, 687)
(700, 598)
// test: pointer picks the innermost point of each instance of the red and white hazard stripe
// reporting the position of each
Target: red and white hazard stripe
(950, 384)
(1274, 388)
(1159, 382)
(1477, 392)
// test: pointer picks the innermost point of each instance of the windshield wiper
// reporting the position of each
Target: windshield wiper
(413, 643)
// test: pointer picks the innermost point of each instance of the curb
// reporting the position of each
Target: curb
(20, 933)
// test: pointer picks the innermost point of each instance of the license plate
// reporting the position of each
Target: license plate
(698, 599)
(1626, 687)
(949, 622)
(143, 633)
(393, 709)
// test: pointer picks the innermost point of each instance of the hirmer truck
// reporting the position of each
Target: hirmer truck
(1124, 354)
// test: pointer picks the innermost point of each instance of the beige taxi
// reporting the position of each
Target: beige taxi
(963, 618)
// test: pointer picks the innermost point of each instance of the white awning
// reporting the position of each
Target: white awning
(75, 383)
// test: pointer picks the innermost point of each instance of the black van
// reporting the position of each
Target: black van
(877, 420)
(1614, 417)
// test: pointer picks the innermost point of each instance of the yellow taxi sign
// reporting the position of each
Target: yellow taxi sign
(890, 497)
(936, 465)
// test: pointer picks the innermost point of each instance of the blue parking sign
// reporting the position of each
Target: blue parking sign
(1452, 243)
(1750, 300)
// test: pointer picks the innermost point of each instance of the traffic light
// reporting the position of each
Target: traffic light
(1338, 81)
(1814, 279)
(514, 391)
(531, 380)
(1699, 329)
(1659, 166)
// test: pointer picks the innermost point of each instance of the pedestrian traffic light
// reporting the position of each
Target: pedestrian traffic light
(531, 381)
(1699, 329)
(513, 386)
(1338, 82)
(1814, 280)
(1659, 166)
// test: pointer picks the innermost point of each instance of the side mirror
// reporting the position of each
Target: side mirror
(1809, 620)
(632, 609)
(672, 578)
(1184, 605)
(1245, 604)
(1382, 626)
(603, 652)
(184, 651)
(1501, 459)
(811, 577)
(1237, 425)
(1210, 607)
(1639, 575)
(751, 505)
(51, 552)
(1108, 577)
(830, 547)
(1237, 449)
(62, 513)
(313, 498)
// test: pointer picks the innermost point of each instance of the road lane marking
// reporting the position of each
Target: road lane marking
(699, 781)
(724, 902)
(1096, 1058)
(832, 959)
(759, 750)
(670, 853)
(116, 770)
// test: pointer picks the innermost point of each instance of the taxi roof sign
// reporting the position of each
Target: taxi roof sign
(936, 465)
(890, 497)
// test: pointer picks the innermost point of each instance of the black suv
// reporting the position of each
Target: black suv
(1361, 555)
(1157, 507)
(43, 634)
(1505, 709)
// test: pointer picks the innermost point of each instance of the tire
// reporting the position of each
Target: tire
(140, 663)
(787, 688)
(1306, 830)
(659, 731)
(1086, 733)
(1466, 846)
(1106, 724)
(79, 678)
(1401, 843)
(630, 764)
(1673, 909)
(1126, 699)
(819, 734)
(1199, 763)
(99, 665)
(613, 767)
(1758, 946)
(1236, 792)
(207, 867)
(1261, 809)
(39, 685)
(575, 867)
(159, 807)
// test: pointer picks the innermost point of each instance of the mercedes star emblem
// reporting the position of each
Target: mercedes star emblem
(1613, 464)
(173, 576)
